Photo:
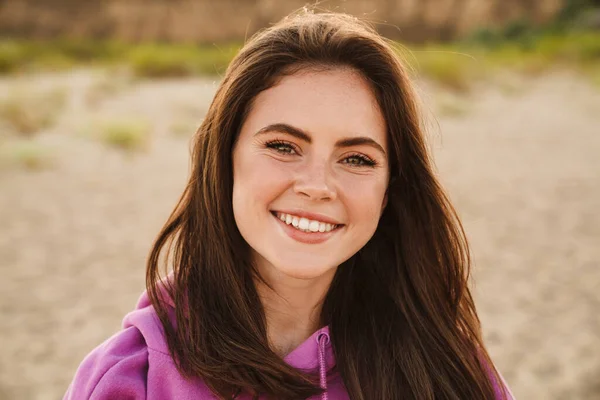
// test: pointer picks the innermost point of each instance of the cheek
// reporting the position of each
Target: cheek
(249, 180)
(368, 208)
(364, 203)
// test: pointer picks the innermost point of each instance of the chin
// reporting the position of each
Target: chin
(304, 274)
(302, 271)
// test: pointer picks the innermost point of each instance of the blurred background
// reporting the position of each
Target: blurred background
(99, 100)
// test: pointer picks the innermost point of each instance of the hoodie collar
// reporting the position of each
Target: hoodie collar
(314, 353)
(306, 355)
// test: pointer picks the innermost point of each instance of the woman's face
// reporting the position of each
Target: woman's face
(310, 173)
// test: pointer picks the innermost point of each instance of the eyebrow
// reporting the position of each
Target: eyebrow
(302, 135)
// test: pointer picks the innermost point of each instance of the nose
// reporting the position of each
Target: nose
(314, 181)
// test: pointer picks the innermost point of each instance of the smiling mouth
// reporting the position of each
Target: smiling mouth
(304, 224)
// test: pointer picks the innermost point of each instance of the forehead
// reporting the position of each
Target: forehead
(330, 103)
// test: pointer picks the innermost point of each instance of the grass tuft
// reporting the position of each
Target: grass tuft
(183, 129)
(12, 56)
(158, 61)
(27, 113)
(28, 155)
(447, 67)
(126, 135)
(451, 105)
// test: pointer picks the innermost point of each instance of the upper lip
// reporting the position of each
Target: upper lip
(310, 215)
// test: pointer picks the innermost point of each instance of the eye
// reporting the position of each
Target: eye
(281, 147)
(359, 160)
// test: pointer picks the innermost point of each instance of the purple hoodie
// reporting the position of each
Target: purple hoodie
(135, 364)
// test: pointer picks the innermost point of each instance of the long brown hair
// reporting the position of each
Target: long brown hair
(402, 320)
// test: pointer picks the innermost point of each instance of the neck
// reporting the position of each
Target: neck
(292, 308)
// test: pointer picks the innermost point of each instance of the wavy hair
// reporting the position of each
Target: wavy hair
(402, 320)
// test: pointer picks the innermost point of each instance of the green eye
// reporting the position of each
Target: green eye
(280, 146)
(359, 161)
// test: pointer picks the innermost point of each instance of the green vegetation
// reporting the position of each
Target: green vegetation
(27, 55)
(11, 56)
(27, 154)
(146, 60)
(183, 128)
(564, 42)
(126, 135)
(452, 105)
(157, 60)
(451, 68)
(519, 46)
(549, 49)
(26, 112)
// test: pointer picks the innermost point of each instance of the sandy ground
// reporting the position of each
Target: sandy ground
(520, 159)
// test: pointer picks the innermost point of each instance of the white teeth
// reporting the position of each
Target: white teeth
(313, 226)
(305, 224)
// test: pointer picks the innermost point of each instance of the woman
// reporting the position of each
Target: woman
(314, 253)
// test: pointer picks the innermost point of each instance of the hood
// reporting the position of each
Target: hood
(314, 354)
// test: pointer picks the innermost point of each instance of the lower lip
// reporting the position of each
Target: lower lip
(306, 237)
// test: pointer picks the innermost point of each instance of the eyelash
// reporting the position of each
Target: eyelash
(277, 144)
